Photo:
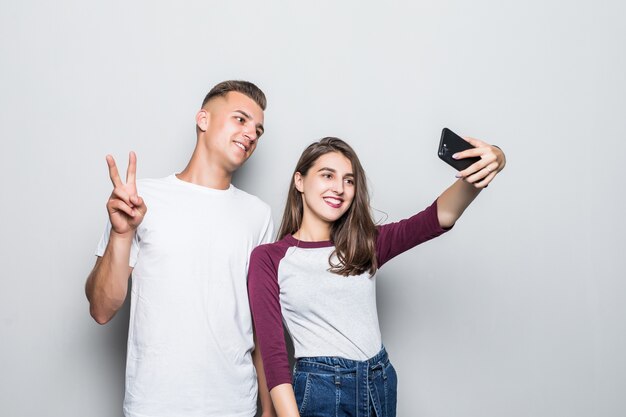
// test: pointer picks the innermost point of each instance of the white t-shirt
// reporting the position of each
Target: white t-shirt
(190, 332)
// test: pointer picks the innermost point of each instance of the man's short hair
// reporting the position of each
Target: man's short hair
(243, 87)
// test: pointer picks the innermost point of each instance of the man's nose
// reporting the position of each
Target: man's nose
(251, 136)
(250, 133)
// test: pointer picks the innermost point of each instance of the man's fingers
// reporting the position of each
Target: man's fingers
(130, 172)
(139, 207)
(120, 194)
(119, 205)
(138, 203)
(132, 168)
(113, 173)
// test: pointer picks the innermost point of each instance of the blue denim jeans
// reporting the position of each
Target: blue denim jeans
(330, 386)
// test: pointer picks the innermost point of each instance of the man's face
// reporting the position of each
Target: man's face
(233, 126)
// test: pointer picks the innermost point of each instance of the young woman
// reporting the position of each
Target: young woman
(319, 280)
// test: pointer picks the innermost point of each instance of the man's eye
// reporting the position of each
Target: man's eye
(240, 119)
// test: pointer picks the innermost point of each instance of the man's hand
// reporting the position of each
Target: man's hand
(126, 209)
(107, 283)
(481, 173)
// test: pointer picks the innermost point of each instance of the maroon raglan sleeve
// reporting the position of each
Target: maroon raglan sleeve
(395, 238)
(264, 291)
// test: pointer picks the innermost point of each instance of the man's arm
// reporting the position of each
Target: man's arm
(107, 283)
(284, 401)
(453, 201)
(267, 409)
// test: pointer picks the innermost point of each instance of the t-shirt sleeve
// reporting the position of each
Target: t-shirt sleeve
(264, 294)
(104, 241)
(268, 229)
(395, 238)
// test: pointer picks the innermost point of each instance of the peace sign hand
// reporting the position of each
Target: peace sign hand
(126, 209)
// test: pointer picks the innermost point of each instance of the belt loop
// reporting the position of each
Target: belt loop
(337, 376)
(362, 389)
(383, 368)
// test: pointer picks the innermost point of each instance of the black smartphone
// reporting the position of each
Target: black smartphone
(452, 143)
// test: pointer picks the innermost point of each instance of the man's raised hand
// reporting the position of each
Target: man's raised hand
(126, 209)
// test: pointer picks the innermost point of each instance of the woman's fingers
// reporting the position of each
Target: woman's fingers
(485, 181)
(477, 143)
(482, 177)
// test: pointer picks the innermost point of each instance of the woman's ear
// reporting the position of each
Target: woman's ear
(298, 180)
(202, 120)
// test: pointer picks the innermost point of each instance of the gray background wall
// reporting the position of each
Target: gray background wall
(518, 312)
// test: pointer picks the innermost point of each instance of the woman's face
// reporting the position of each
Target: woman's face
(327, 188)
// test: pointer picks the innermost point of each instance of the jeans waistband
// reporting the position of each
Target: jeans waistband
(336, 364)
(364, 373)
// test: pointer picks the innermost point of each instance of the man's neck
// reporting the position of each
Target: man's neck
(199, 171)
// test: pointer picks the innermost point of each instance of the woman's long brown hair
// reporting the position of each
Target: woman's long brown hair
(354, 233)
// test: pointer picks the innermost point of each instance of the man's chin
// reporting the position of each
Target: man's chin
(236, 164)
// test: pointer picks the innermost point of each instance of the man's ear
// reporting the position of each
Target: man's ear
(298, 179)
(202, 120)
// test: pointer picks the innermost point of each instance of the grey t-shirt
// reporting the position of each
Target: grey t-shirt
(326, 314)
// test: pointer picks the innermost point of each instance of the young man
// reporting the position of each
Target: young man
(190, 341)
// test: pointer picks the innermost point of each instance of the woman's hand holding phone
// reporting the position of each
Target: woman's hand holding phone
(477, 161)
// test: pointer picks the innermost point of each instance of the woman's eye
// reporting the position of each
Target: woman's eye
(350, 181)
